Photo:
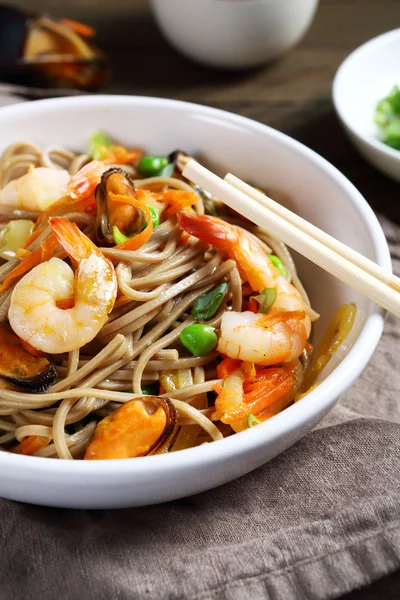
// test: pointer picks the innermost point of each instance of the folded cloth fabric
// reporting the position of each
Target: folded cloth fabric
(316, 522)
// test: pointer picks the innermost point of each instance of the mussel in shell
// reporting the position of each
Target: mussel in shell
(21, 368)
(42, 51)
(113, 213)
(141, 427)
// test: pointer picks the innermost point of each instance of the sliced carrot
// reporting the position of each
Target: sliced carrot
(227, 366)
(141, 238)
(30, 445)
(264, 397)
(120, 155)
(176, 199)
(34, 235)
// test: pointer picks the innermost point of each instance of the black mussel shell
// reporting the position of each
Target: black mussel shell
(165, 441)
(38, 383)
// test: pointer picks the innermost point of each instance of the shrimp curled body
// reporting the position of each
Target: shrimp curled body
(263, 339)
(36, 190)
(36, 312)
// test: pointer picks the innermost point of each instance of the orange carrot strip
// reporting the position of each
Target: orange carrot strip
(30, 445)
(227, 366)
(141, 238)
(264, 397)
(118, 154)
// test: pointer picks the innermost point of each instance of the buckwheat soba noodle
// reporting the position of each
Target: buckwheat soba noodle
(138, 314)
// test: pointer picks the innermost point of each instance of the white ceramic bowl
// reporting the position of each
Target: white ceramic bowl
(252, 151)
(367, 75)
(233, 33)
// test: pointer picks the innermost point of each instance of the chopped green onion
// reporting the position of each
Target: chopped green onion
(278, 264)
(152, 166)
(99, 142)
(207, 305)
(266, 299)
(387, 117)
(155, 217)
(252, 420)
(119, 237)
(199, 339)
(13, 237)
(151, 390)
(167, 171)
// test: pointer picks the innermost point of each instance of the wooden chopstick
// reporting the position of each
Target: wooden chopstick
(344, 263)
(355, 257)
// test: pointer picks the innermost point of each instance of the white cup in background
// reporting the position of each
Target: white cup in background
(233, 33)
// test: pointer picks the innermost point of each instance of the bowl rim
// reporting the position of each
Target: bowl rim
(368, 46)
(294, 417)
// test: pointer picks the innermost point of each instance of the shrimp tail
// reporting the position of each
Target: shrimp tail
(84, 183)
(75, 243)
(208, 229)
(41, 254)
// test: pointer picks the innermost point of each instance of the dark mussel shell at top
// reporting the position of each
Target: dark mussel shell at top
(21, 368)
(109, 212)
(42, 51)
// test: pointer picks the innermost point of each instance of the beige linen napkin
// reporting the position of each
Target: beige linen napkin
(319, 520)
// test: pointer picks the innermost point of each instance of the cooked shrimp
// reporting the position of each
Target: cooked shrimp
(39, 312)
(263, 339)
(36, 190)
(84, 183)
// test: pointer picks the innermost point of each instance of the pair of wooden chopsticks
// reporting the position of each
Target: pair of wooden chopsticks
(333, 256)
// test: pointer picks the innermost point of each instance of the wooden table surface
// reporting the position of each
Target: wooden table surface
(292, 94)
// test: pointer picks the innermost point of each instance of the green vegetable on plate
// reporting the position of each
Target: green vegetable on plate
(120, 238)
(278, 264)
(99, 142)
(252, 420)
(266, 299)
(387, 117)
(207, 305)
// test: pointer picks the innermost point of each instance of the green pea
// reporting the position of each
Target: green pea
(151, 166)
(252, 420)
(151, 390)
(119, 237)
(199, 339)
(278, 264)
(207, 305)
(266, 299)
